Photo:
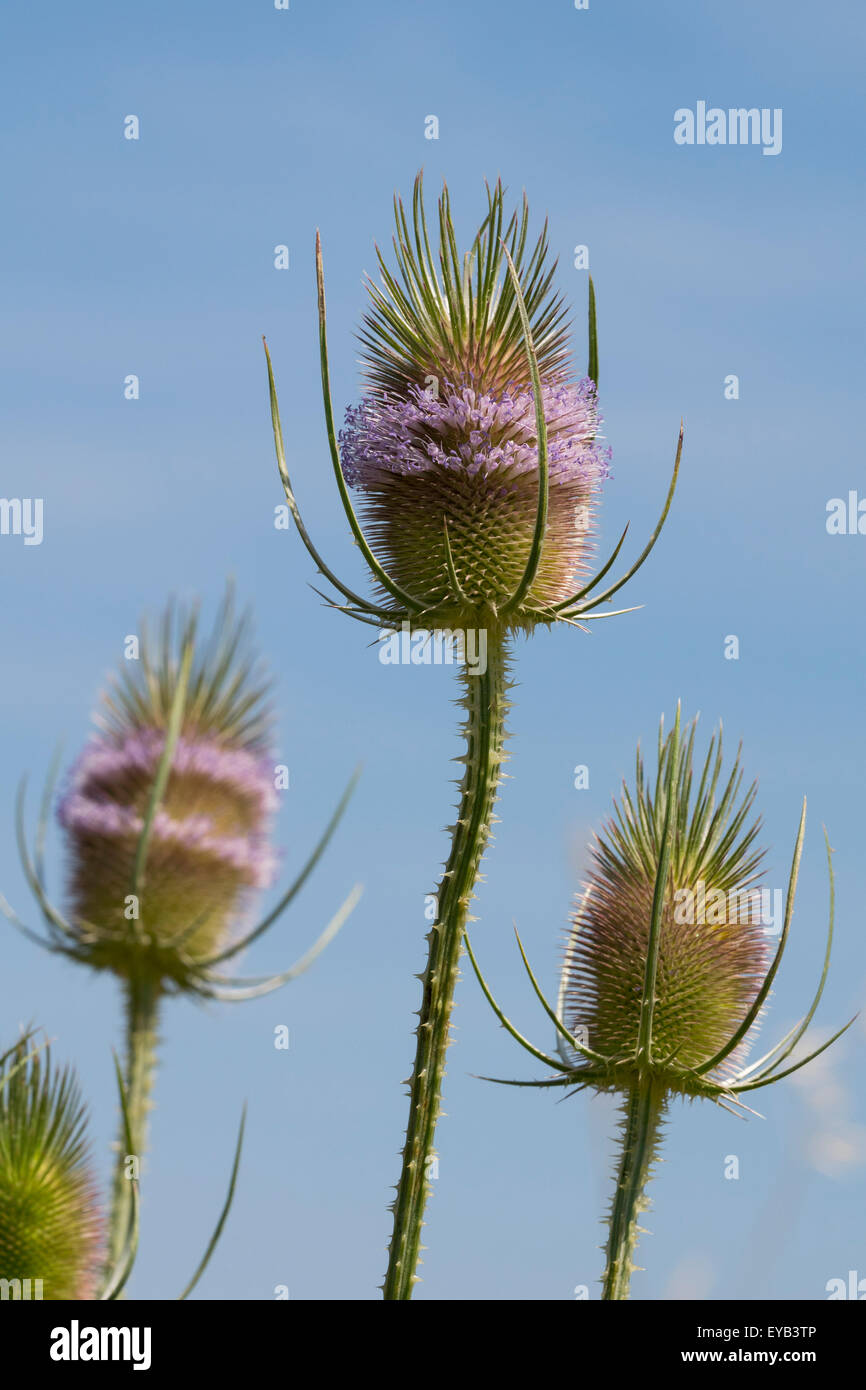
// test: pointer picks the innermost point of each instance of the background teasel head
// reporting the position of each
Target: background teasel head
(167, 815)
(667, 968)
(475, 452)
(51, 1228)
(208, 845)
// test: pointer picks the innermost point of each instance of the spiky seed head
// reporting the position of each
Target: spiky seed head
(209, 847)
(443, 447)
(50, 1222)
(713, 951)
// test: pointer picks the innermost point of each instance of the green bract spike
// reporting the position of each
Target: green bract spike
(223, 1217)
(592, 361)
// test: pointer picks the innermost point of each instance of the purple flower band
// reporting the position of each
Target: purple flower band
(464, 428)
(237, 770)
(95, 800)
(249, 855)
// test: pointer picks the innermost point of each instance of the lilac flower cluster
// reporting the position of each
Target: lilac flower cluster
(465, 428)
(109, 785)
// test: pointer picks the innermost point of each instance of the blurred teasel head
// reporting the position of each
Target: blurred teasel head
(181, 756)
(167, 815)
(51, 1229)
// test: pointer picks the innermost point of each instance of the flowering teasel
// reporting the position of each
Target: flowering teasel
(166, 815)
(477, 461)
(443, 448)
(667, 971)
(51, 1228)
(207, 807)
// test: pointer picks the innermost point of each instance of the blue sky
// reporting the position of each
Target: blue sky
(155, 257)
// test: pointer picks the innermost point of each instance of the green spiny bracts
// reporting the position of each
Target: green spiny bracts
(227, 692)
(666, 970)
(477, 462)
(444, 317)
(50, 1223)
(712, 943)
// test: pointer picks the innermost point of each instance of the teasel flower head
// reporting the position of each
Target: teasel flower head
(712, 945)
(167, 815)
(666, 969)
(667, 966)
(475, 452)
(209, 844)
(443, 448)
(51, 1227)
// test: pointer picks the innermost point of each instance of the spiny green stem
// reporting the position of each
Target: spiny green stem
(486, 705)
(643, 1113)
(143, 997)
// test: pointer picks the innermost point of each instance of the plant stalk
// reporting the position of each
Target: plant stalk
(485, 702)
(143, 996)
(642, 1118)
